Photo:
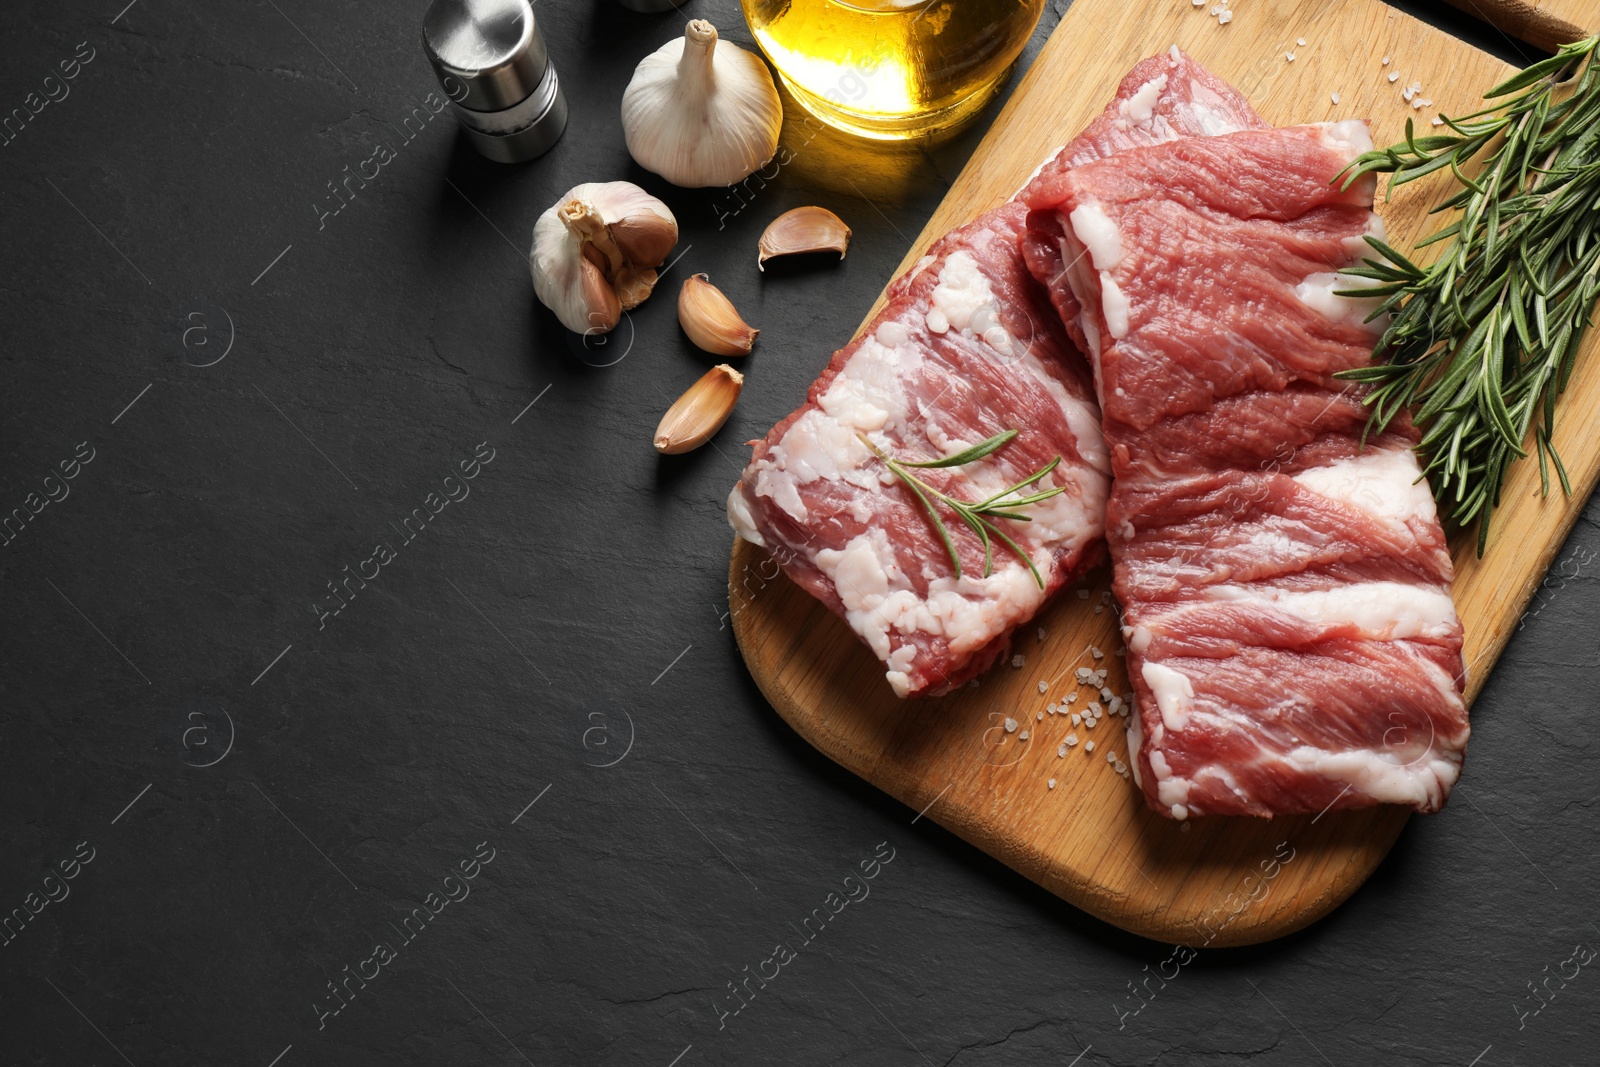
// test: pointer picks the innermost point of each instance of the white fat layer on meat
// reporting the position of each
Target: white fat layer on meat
(1384, 611)
(1136, 745)
(1423, 781)
(891, 333)
(1321, 293)
(1209, 111)
(1138, 638)
(1350, 137)
(1384, 483)
(1142, 104)
(1098, 234)
(964, 301)
(1358, 249)
(880, 602)
(1173, 692)
(739, 517)
(1114, 304)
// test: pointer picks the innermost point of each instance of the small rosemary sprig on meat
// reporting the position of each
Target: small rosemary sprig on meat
(1483, 340)
(1002, 505)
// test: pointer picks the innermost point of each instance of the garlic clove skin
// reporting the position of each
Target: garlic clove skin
(696, 416)
(595, 252)
(803, 229)
(701, 113)
(711, 321)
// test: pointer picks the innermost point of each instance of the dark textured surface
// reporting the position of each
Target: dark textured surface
(565, 615)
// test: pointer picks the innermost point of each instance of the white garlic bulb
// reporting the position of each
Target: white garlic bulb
(698, 114)
(595, 252)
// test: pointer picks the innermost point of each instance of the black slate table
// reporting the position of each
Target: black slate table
(515, 799)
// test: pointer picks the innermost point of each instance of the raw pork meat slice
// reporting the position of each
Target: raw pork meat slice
(967, 345)
(1162, 98)
(1285, 591)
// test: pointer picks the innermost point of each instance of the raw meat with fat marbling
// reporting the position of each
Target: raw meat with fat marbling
(967, 346)
(1285, 588)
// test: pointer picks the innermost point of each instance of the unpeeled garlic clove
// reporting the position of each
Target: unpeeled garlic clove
(711, 321)
(595, 252)
(699, 413)
(701, 113)
(803, 229)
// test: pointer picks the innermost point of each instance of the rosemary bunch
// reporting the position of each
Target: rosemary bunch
(1002, 505)
(1483, 340)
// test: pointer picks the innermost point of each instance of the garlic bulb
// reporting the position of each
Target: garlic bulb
(701, 115)
(595, 252)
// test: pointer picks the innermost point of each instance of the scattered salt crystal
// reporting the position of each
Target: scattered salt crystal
(1416, 87)
(1427, 103)
(972, 684)
(1071, 697)
(1096, 653)
(1011, 725)
(1111, 757)
(1393, 76)
(1088, 746)
(1071, 740)
(1043, 686)
(1289, 56)
(1083, 594)
(1018, 660)
(1105, 694)
(1041, 633)
(1183, 828)
(1415, 104)
(1216, 9)
(1084, 672)
(1386, 61)
(1105, 598)
(1039, 717)
(1077, 720)
(1098, 608)
(1052, 708)
(1061, 751)
(1438, 121)
(1052, 783)
(1093, 709)
(1224, 18)
(1122, 768)
(1198, 3)
(1023, 736)
(1335, 97)
(1301, 41)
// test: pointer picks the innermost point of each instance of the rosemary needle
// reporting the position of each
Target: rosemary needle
(977, 515)
(1484, 340)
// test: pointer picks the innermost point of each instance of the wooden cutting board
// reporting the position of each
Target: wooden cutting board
(1546, 23)
(1212, 881)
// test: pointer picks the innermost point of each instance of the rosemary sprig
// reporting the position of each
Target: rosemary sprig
(1483, 340)
(1002, 505)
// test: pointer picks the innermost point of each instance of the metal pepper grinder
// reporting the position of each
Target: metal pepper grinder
(492, 64)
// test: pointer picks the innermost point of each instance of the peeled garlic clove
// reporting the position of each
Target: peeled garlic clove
(711, 321)
(804, 229)
(699, 113)
(595, 252)
(699, 413)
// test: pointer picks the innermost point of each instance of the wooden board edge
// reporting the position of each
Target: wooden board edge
(1524, 21)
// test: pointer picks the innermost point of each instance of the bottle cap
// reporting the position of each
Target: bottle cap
(492, 64)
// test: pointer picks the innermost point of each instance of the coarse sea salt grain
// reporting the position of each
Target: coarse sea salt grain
(1111, 757)
(1039, 717)
(1122, 768)
(1052, 783)
(1301, 41)
(1077, 720)
(1096, 653)
(1335, 97)
(1083, 594)
(1289, 56)
(1438, 121)
(1061, 751)
(1040, 633)
(1386, 61)
(1088, 746)
(1393, 76)
(1011, 725)
(1224, 18)
(1023, 736)
(1018, 660)
(1043, 686)
(1071, 740)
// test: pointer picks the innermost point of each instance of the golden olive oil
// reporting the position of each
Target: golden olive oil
(893, 69)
